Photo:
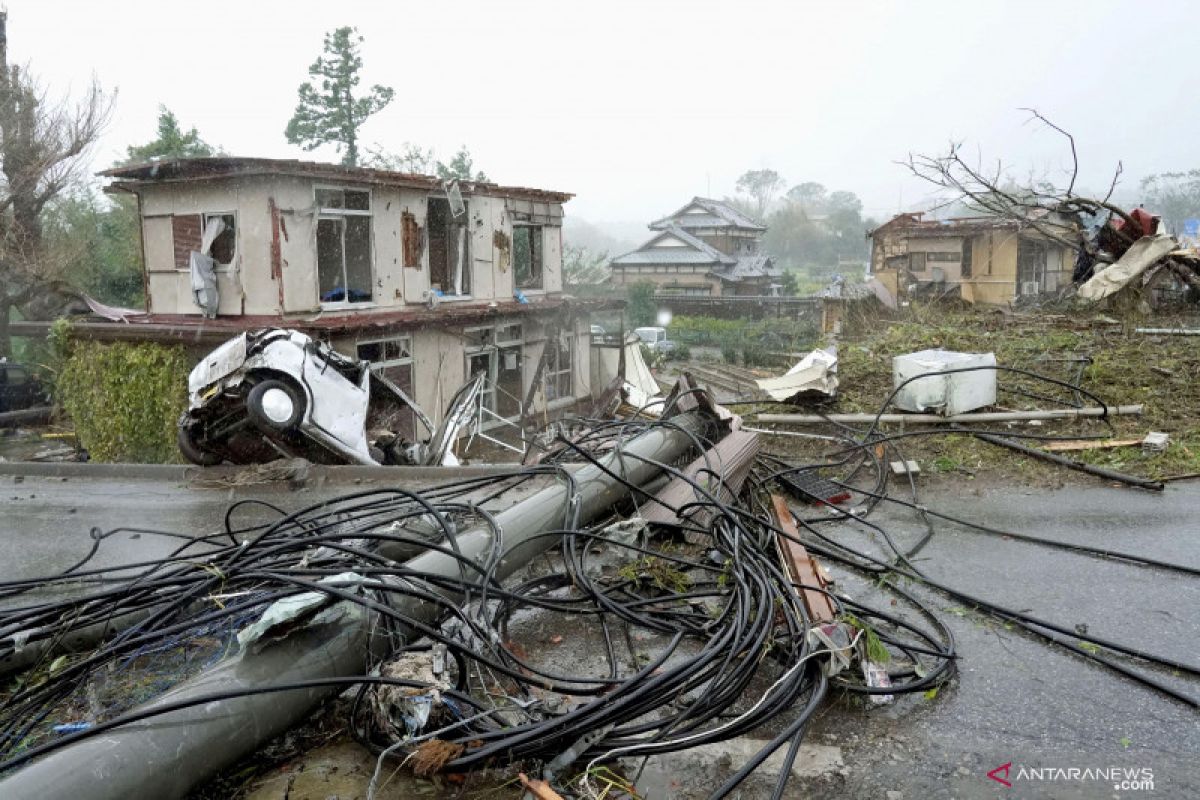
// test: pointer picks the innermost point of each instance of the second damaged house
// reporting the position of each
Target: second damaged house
(433, 283)
(988, 260)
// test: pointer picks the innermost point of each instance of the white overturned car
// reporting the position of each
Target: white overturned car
(280, 393)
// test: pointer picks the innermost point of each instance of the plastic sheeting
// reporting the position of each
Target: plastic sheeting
(204, 269)
(640, 385)
(816, 373)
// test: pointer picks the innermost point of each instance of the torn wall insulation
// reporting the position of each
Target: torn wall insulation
(1143, 254)
(637, 374)
(204, 269)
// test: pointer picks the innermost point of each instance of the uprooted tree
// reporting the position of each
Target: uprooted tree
(987, 188)
(42, 146)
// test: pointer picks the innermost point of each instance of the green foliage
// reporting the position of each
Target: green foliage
(461, 167)
(329, 113)
(97, 243)
(761, 185)
(1174, 195)
(681, 353)
(765, 335)
(172, 142)
(640, 304)
(125, 399)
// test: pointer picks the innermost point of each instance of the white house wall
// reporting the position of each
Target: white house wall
(249, 286)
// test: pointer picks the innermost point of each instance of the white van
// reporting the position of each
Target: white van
(655, 338)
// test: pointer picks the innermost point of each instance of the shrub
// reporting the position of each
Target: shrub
(125, 399)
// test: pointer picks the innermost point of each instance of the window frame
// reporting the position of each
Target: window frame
(537, 253)
(204, 215)
(340, 214)
(557, 373)
(468, 247)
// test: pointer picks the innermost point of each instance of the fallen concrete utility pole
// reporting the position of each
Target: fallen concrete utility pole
(27, 416)
(937, 419)
(1170, 331)
(1100, 472)
(166, 755)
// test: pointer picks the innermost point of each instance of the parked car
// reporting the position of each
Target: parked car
(277, 392)
(656, 339)
(19, 389)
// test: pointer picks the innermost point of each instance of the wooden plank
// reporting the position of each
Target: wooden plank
(1089, 444)
(800, 566)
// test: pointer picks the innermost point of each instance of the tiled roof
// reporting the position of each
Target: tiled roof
(755, 266)
(719, 215)
(696, 252)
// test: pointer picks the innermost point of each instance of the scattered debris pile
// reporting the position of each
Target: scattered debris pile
(713, 611)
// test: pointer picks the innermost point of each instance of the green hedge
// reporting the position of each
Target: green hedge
(765, 334)
(125, 399)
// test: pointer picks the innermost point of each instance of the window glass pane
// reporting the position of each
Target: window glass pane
(358, 258)
(509, 333)
(329, 260)
(508, 380)
(330, 198)
(371, 351)
(522, 254)
(478, 337)
(358, 201)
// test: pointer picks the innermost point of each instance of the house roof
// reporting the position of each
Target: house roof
(695, 252)
(714, 214)
(917, 226)
(750, 267)
(200, 169)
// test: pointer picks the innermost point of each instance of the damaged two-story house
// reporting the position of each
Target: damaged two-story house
(432, 283)
(706, 249)
(990, 260)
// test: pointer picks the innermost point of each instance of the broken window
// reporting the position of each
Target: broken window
(499, 355)
(527, 256)
(558, 379)
(224, 246)
(916, 262)
(510, 362)
(412, 241)
(392, 358)
(344, 245)
(449, 249)
(1031, 266)
(966, 258)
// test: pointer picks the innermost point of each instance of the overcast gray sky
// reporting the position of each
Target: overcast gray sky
(636, 106)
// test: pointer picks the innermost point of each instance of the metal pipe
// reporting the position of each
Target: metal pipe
(167, 755)
(1170, 331)
(1054, 458)
(937, 419)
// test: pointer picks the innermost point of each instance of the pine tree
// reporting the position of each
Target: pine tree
(329, 113)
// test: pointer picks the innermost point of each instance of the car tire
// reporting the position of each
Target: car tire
(192, 451)
(275, 406)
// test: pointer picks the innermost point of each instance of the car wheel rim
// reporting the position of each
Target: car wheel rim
(277, 405)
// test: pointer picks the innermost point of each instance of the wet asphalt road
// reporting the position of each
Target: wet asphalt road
(1015, 699)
